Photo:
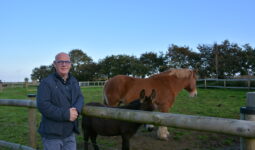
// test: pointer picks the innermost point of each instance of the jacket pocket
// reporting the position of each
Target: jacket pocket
(53, 128)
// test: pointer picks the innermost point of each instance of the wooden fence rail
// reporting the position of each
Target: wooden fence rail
(26, 84)
(235, 127)
(242, 128)
(14, 146)
(31, 105)
(206, 83)
(227, 83)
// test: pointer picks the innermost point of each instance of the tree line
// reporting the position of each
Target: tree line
(224, 60)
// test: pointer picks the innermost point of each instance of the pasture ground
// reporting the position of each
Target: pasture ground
(223, 103)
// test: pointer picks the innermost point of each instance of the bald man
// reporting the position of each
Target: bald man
(60, 101)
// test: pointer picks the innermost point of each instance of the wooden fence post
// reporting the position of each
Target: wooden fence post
(249, 83)
(1, 86)
(25, 84)
(248, 113)
(32, 123)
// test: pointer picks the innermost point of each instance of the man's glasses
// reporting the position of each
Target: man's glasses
(63, 62)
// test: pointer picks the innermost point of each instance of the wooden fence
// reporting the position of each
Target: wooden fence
(206, 83)
(242, 128)
(26, 84)
(227, 83)
(91, 83)
(18, 84)
(31, 105)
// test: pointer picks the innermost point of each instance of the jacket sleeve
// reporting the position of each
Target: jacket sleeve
(79, 101)
(46, 107)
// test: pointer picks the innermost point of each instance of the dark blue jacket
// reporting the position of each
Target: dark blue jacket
(54, 102)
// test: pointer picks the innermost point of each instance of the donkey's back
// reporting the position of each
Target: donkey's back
(93, 126)
(108, 127)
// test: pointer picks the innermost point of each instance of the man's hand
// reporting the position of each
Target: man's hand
(73, 114)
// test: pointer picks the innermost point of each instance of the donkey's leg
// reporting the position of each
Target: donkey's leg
(94, 141)
(125, 142)
(86, 139)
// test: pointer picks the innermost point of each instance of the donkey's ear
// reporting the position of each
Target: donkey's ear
(142, 94)
(153, 94)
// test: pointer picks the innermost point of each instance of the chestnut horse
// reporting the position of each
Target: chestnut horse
(124, 89)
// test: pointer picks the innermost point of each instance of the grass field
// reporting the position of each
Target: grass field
(223, 103)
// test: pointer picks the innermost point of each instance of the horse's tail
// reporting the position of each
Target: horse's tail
(105, 99)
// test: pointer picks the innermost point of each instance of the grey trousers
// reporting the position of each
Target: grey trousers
(68, 143)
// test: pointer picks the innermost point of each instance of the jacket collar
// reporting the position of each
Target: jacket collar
(62, 80)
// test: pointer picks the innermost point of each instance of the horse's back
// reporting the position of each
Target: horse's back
(118, 82)
(124, 89)
(115, 88)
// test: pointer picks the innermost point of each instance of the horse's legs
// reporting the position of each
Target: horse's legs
(163, 133)
(149, 127)
(94, 141)
(162, 130)
(125, 142)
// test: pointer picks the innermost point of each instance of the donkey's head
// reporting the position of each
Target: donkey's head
(147, 102)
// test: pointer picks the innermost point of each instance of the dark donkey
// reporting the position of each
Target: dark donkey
(93, 126)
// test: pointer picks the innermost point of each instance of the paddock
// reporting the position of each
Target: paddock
(241, 128)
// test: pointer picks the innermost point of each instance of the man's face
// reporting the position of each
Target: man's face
(62, 64)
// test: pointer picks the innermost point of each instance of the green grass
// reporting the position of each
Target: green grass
(14, 120)
(223, 103)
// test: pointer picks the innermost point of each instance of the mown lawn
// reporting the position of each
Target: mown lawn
(209, 102)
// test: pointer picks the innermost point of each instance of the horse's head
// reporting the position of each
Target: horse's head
(191, 84)
(147, 102)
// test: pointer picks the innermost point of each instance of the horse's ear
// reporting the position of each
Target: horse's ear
(153, 94)
(142, 94)
(195, 71)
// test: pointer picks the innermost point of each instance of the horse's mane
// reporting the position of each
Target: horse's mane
(179, 73)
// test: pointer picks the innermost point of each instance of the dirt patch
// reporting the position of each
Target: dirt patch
(178, 140)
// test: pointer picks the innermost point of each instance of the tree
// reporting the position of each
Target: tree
(79, 60)
(90, 72)
(206, 66)
(227, 60)
(153, 63)
(247, 60)
(138, 69)
(26, 79)
(150, 62)
(162, 62)
(105, 66)
(182, 57)
(117, 64)
(224, 60)
(41, 72)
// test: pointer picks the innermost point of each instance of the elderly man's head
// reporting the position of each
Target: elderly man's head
(62, 64)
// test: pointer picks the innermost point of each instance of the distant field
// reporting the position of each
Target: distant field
(209, 102)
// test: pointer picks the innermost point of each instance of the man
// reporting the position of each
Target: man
(60, 101)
